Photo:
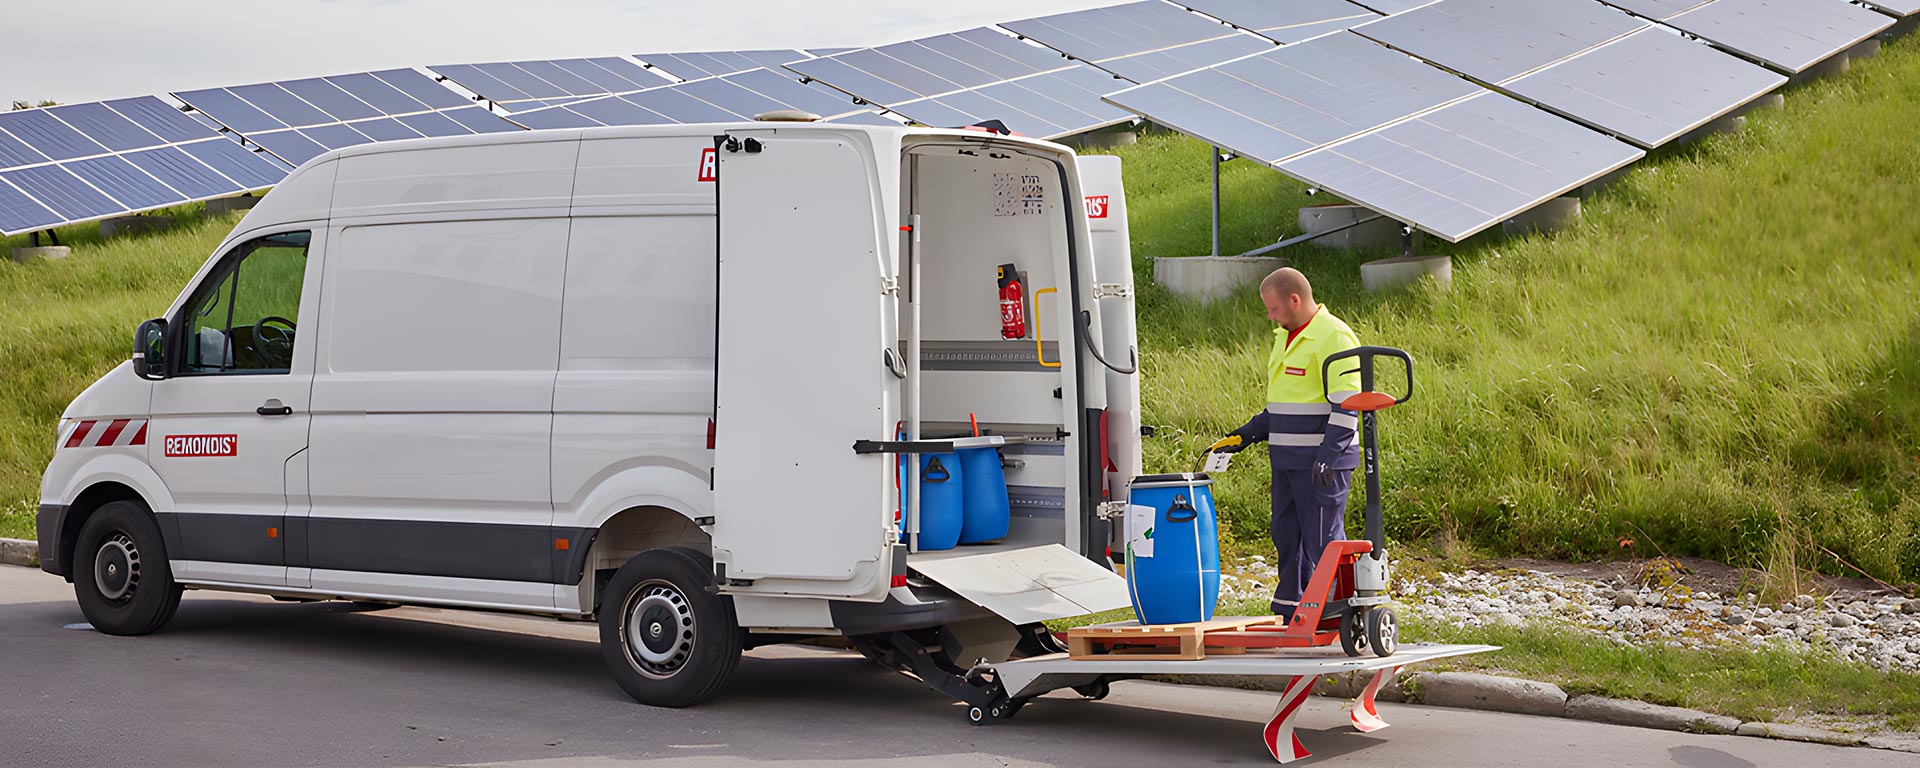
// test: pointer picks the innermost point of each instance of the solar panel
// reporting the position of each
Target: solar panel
(20, 213)
(1139, 41)
(1465, 167)
(731, 98)
(377, 93)
(526, 82)
(330, 98)
(288, 145)
(612, 74)
(252, 171)
(1789, 35)
(477, 120)
(121, 180)
(485, 85)
(335, 136)
(433, 124)
(384, 129)
(1648, 88)
(106, 127)
(183, 173)
(161, 119)
(39, 129)
(281, 105)
(1285, 22)
(1391, 6)
(230, 110)
(60, 190)
(422, 89)
(14, 152)
(1901, 8)
(1658, 10)
(1494, 40)
(569, 83)
(702, 64)
(1290, 100)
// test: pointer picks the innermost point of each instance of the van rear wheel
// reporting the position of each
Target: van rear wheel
(121, 576)
(666, 640)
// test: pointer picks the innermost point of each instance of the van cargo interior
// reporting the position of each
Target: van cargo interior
(978, 208)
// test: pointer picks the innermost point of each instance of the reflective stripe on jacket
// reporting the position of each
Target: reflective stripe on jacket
(1301, 426)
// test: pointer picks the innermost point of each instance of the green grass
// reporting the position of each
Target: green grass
(1721, 359)
(66, 322)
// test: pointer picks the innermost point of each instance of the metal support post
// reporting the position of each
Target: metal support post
(1216, 200)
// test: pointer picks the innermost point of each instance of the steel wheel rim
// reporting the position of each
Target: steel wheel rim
(116, 568)
(1389, 632)
(657, 629)
(1357, 627)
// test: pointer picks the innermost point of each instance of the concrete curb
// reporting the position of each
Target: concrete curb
(1466, 690)
(20, 552)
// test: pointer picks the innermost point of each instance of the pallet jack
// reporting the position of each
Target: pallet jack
(1346, 598)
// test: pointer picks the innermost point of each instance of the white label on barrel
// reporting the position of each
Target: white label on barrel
(1140, 529)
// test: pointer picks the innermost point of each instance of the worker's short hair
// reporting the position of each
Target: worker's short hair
(1286, 281)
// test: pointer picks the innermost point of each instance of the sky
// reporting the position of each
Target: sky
(90, 50)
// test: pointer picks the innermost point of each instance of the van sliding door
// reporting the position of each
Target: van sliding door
(803, 327)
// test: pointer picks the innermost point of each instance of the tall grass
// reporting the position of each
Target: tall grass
(1722, 358)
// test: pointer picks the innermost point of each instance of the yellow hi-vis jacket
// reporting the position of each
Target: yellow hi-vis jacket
(1300, 426)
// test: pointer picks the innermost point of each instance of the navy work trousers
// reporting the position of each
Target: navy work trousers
(1305, 518)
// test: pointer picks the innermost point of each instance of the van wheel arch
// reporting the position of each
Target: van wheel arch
(633, 531)
(83, 506)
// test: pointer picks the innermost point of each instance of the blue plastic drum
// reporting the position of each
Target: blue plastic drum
(1173, 548)
(942, 501)
(988, 513)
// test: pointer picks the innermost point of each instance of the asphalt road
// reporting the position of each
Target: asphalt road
(243, 681)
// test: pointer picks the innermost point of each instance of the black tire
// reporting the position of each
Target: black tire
(689, 639)
(121, 575)
(1383, 632)
(1353, 633)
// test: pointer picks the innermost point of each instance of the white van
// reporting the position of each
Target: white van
(661, 376)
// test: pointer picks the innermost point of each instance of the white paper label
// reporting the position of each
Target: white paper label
(1217, 462)
(1140, 529)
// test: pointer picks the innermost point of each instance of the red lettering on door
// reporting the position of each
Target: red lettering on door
(1096, 206)
(709, 164)
(197, 446)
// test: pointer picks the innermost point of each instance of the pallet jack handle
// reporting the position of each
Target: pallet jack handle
(1368, 401)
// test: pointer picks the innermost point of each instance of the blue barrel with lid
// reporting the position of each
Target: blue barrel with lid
(1173, 548)
(988, 511)
(942, 500)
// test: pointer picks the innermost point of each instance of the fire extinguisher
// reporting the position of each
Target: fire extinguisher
(1013, 308)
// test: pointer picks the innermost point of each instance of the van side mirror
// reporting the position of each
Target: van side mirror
(150, 350)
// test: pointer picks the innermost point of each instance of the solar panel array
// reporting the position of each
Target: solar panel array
(735, 97)
(973, 76)
(1464, 167)
(1494, 41)
(695, 66)
(1141, 41)
(298, 120)
(1789, 35)
(81, 162)
(1901, 8)
(525, 85)
(1287, 22)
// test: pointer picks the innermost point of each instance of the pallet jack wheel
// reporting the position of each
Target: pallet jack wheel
(1094, 691)
(1383, 632)
(1353, 633)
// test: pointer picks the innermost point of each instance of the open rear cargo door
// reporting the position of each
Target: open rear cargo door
(1025, 585)
(803, 323)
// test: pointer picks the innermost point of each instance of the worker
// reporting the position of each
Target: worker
(1309, 441)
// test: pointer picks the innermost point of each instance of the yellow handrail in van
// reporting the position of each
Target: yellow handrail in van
(1040, 352)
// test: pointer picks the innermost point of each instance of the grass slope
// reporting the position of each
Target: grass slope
(1721, 359)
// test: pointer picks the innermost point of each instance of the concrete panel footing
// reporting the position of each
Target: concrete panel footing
(1838, 65)
(1722, 124)
(1380, 233)
(1545, 217)
(226, 205)
(1594, 187)
(41, 252)
(134, 225)
(1211, 277)
(1867, 49)
(1102, 140)
(1401, 271)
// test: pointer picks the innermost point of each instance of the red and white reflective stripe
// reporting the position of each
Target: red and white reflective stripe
(100, 434)
(1366, 716)
(1280, 728)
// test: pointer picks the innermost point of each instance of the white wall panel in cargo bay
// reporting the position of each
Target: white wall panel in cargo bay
(801, 380)
(434, 387)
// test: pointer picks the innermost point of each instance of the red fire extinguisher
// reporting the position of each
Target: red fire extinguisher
(1013, 308)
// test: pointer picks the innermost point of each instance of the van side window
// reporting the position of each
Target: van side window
(243, 318)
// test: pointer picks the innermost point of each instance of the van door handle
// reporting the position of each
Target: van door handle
(274, 408)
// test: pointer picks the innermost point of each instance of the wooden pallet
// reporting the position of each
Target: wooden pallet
(1188, 642)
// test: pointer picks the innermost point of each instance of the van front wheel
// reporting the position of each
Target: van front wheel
(666, 640)
(120, 573)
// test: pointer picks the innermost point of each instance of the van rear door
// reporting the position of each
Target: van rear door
(805, 304)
